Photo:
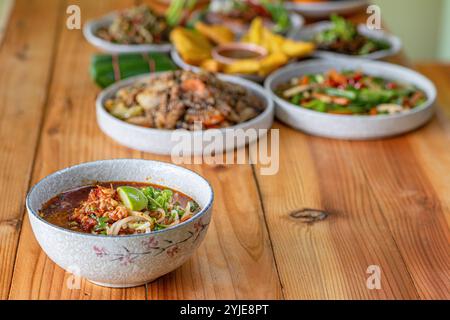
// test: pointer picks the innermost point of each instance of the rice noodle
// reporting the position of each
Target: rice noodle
(162, 217)
(142, 215)
(176, 219)
(188, 207)
(116, 226)
(144, 226)
(103, 213)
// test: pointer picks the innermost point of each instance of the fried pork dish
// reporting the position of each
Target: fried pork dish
(184, 100)
(137, 25)
(343, 37)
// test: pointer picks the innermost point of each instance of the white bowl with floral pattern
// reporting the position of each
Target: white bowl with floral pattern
(126, 260)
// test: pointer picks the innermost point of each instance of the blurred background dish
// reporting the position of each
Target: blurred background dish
(237, 16)
(323, 8)
(353, 127)
(136, 29)
(161, 6)
(193, 49)
(341, 38)
(158, 139)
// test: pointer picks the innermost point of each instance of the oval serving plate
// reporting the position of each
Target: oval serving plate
(324, 9)
(352, 127)
(308, 33)
(160, 141)
(90, 28)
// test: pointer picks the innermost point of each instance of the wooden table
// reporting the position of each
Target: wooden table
(388, 201)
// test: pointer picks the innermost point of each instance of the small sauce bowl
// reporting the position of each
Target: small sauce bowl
(235, 51)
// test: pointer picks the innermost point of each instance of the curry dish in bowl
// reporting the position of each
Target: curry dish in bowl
(120, 222)
(119, 208)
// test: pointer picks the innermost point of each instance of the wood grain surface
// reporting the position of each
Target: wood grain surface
(383, 203)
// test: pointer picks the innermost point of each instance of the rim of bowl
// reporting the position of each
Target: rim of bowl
(297, 22)
(327, 6)
(249, 85)
(431, 98)
(217, 51)
(62, 171)
(183, 65)
(394, 42)
(89, 33)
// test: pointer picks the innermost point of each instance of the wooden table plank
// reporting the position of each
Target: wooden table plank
(390, 206)
(26, 56)
(388, 201)
(429, 149)
(329, 258)
(327, 172)
(412, 207)
(235, 260)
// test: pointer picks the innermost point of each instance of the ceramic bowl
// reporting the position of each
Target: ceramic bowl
(308, 33)
(90, 28)
(257, 52)
(324, 9)
(165, 142)
(121, 261)
(348, 126)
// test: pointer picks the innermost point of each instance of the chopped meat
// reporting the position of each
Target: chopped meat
(179, 99)
(101, 202)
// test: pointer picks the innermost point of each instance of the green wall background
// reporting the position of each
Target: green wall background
(423, 26)
(444, 48)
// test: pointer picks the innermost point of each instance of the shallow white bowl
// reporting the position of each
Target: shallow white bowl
(121, 261)
(347, 126)
(89, 31)
(308, 33)
(324, 9)
(161, 141)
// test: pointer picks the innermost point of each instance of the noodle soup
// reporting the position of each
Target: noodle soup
(119, 208)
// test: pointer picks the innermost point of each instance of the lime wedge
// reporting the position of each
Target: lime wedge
(132, 198)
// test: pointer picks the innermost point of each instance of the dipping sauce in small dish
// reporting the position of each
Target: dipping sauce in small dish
(232, 52)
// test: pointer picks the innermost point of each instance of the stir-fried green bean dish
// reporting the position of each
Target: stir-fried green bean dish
(350, 93)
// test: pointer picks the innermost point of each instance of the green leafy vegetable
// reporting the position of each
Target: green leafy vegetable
(279, 15)
(175, 12)
(102, 223)
(343, 37)
(158, 199)
(194, 206)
